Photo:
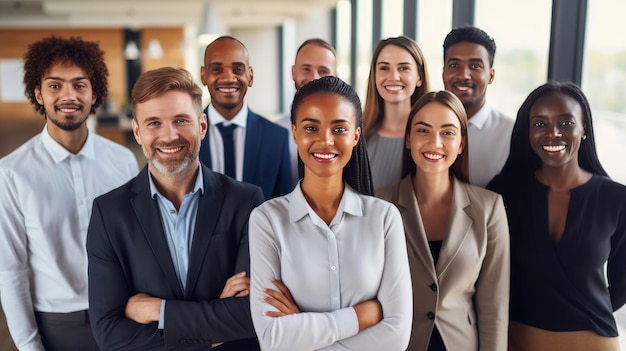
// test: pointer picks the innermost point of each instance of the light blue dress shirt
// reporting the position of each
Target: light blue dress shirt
(330, 268)
(178, 227)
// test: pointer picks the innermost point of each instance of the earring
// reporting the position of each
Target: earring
(584, 136)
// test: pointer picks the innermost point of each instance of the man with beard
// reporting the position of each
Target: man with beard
(315, 58)
(168, 251)
(47, 187)
(468, 54)
(240, 143)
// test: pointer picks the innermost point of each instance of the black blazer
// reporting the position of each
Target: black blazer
(128, 254)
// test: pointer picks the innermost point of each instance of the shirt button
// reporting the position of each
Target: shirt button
(430, 315)
(433, 287)
(332, 268)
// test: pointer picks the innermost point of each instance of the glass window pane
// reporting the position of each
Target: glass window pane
(342, 46)
(433, 24)
(604, 83)
(392, 18)
(521, 30)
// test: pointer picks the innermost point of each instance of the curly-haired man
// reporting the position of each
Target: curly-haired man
(47, 187)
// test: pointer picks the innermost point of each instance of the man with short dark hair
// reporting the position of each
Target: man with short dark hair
(240, 143)
(468, 54)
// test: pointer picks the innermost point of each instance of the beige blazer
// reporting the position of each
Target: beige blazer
(467, 295)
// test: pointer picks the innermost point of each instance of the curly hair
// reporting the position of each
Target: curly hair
(51, 50)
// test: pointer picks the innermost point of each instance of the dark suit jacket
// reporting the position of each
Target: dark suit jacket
(128, 254)
(266, 160)
(468, 289)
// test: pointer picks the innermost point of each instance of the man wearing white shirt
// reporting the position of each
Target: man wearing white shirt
(468, 54)
(240, 143)
(47, 187)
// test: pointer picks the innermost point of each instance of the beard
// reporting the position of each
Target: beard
(68, 124)
(171, 166)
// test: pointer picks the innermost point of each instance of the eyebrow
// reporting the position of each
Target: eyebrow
(63, 79)
(474, 59)
(400, 63)
(447, 125)
(313, 120)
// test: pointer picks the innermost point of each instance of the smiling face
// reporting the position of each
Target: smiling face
(67, 96)
(227, 75)
(169, 131)
(397, 74)
(325, 133)
(435, 138)
(556, 130)
(312, 62)
(467, 73)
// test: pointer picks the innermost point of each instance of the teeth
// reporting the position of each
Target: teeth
(170, 151)
(324, 156)
(227, 90)
(68, 109)
(555, 148)
(394, 87)
(433, 156)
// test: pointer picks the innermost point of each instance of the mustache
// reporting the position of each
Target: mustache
(464, 83)
(76, 106)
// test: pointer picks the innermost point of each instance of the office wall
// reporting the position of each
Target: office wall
(15, 43)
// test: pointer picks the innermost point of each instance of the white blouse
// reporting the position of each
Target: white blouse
(328, 269)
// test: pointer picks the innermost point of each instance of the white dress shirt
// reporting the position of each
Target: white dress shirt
(489, 143)
(46, 195)
(328, 269)
(216, 145)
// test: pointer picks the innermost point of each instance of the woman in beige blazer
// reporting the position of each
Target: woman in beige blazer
(456, 233)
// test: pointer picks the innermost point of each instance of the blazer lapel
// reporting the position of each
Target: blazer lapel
(209, 208)
(252, 149)
(459, 224)
(413, 225)
(147, 210)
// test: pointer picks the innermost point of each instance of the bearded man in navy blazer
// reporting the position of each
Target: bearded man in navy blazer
(254, 150)
(168, 251)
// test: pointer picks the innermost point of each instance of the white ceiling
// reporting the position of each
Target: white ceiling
(151, 13)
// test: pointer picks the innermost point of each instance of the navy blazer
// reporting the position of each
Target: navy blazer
(128, 254)
(266, 161)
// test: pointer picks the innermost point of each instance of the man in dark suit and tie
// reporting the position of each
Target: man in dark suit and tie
(168, 251)
(240, 143)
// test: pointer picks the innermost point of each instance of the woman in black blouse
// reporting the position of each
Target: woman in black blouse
(567, 219)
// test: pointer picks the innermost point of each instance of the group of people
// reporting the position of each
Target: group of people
(349, 229)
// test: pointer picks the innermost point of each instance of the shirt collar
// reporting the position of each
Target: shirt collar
(481, 116)
(298, 206)
(239, 119)
(60, 153)
(199, 186)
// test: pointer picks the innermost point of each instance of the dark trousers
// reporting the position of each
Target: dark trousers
(66, 331)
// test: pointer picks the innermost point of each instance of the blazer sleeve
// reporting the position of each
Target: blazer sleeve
(109, 292)
(492, 286)
(218, 320)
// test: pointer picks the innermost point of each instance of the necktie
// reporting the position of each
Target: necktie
(229, 148)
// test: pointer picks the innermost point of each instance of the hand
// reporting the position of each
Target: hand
(143, 308)
(238, 286)
(368, 313)
(280, 299)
